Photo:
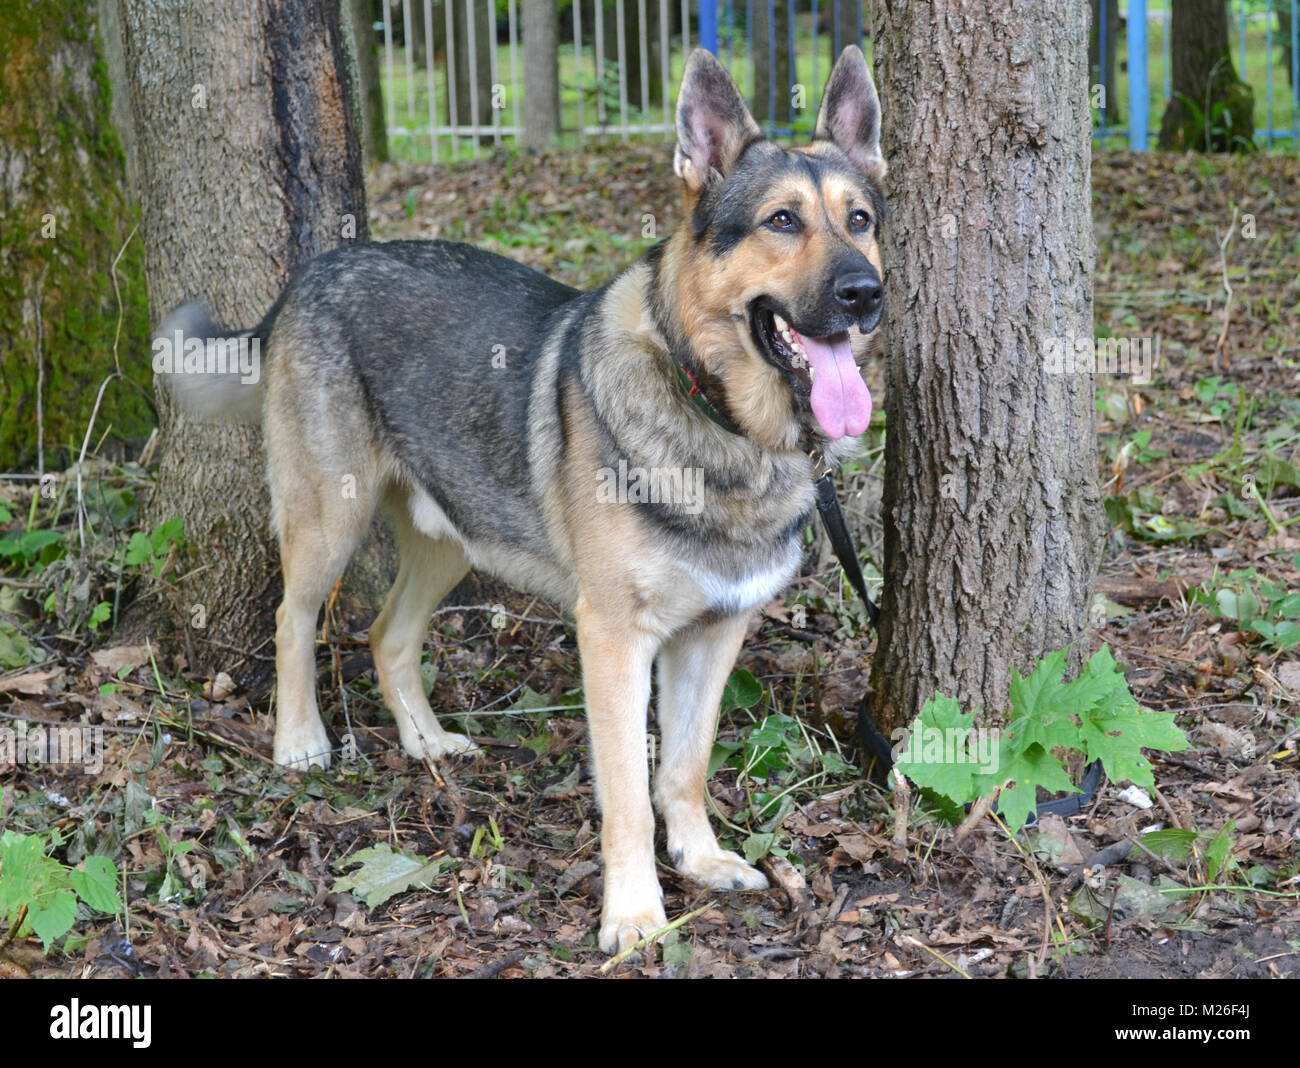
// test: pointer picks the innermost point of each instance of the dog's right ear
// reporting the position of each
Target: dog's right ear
(713, 124)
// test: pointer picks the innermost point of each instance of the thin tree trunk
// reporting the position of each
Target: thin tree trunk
(772, 81)
(1114, 113)
(541, 73)
(478, 89)
(1210, 108)
(993, 525)
(374, 133)
(250, 168)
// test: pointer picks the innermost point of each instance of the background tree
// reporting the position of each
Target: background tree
(1210, 108)
(374, 134)
(245, 177)
(541, 73)
(993, 524)
(1097, 63)
(65, 218)
(473, 84)
(773, 103)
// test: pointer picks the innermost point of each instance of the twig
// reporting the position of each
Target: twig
(653, 936)
(902, 807)
(936, 954)
(1227, 286)
(496, 967)
(977, 812)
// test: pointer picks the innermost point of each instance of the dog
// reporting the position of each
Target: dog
(642, 455)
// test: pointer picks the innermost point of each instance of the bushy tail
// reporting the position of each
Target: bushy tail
(213, 373)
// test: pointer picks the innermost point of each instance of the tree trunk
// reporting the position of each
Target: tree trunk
(1113, 30)
(65, 218)
(473, 96)
(993, 524)
(541, 73)
(772, 81)
(844, 24)
(374, 132)
(1210, 109)
(250, 168)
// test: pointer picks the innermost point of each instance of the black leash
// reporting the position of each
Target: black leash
(828, 503)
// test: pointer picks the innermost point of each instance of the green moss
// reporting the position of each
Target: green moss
(58, 118)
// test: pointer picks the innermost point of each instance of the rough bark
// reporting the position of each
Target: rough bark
(63, 219)
(250, 168)
(993, 524)
(541, 73)
(1210, 108)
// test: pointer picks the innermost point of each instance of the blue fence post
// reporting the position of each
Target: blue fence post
(1139, 91)
(709, 25)
(1295, 76)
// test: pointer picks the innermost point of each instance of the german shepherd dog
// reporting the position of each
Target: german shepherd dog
(491, 411)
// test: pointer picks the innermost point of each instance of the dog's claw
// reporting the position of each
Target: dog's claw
(303, 749)
(723, 871)
(619, 933)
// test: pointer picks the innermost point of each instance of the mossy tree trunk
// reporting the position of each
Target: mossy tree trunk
(1211, 109)
(1097, 63)
(374, 132)
(250, 165)
(993, 521)
(64, 217)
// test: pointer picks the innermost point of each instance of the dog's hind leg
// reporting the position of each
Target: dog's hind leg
(429, 569)
(321, 520)
(693, 670)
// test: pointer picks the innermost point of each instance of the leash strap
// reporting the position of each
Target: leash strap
(828, 503)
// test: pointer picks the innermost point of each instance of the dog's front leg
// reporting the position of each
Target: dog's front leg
(616, 663)
(693, 670)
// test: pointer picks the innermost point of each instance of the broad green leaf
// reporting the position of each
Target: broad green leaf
(741, 691)
(55, 916)
(97, 884)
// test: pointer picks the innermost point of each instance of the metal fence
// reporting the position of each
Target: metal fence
(452, 73)
(1276, 22)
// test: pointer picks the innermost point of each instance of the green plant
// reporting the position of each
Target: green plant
(1095, 715)
(44, 892)
(775, 757)
(152, 550)
(1257, 605)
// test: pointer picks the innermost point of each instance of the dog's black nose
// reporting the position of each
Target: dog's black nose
(861, 293)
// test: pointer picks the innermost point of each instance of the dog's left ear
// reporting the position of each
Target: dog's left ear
(713, 124)
(850, 113)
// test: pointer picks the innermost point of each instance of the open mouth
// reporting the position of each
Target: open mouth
(822, 369)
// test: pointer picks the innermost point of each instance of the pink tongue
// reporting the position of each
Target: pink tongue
(840, 399)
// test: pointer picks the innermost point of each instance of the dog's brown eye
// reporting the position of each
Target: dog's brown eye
(859, 220)
(782, 220)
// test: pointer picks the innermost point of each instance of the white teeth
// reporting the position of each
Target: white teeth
(781, 324)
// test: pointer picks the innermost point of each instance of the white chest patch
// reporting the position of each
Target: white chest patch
(728, 596)
(429, 519)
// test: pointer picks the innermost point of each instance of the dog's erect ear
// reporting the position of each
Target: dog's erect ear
(713, 124)
(850, 114)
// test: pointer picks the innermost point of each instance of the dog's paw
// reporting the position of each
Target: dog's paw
(618, 933)
(722, 871)
(443, 744)
(302, 748)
